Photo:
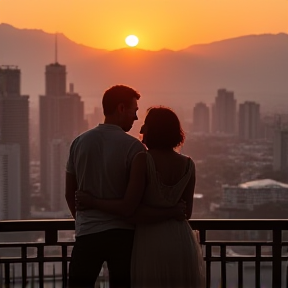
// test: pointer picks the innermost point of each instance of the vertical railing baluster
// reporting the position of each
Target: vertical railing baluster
(32, 275)
(276, 262)
(1, 276)
(41, 265)
(7, 273)
(286, 276)
(223, 265)
(240, 274)
(24, 265)
(64, 265)
(13, 274)
(257, 266)
(54, 276)
(208, 255)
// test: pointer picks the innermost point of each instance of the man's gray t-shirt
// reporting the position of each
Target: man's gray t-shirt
(101, 160)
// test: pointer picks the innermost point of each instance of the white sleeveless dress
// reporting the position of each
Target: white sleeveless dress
(166, 254)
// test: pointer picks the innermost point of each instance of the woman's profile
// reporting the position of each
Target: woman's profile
(165, 254)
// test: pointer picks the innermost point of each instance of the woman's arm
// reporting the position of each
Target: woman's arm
(149, 215)
(134, 193)
(188, 193)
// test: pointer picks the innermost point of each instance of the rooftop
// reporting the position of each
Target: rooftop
(263, 183)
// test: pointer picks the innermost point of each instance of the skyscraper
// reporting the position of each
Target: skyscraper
(201, 118)
(280, 150)
(14, 127)
(61, 120)
(224, 113)
(249, 120)
(10, 182)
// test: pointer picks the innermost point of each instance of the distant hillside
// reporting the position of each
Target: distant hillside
(254, 67)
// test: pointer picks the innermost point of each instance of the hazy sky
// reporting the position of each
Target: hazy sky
(172, 24)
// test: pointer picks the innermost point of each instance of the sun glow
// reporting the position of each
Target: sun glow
(132, 40)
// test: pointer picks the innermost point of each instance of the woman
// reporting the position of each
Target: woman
(165, 254)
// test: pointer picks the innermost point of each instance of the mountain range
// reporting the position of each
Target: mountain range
(255, 67)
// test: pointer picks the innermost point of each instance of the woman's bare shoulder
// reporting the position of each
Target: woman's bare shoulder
(187, 159)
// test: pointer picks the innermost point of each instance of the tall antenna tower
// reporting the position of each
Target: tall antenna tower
(56, 48)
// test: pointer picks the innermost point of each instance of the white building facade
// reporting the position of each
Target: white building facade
(248, 195)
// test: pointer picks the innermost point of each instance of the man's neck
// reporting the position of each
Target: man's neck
(111, 121)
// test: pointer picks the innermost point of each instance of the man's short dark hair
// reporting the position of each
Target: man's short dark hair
(116, 95)
(163, 129)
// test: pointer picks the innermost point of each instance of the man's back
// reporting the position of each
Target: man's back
(100, 159)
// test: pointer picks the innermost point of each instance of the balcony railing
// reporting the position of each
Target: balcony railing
(36, 254)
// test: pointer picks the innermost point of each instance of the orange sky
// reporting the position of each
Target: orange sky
(172, 24)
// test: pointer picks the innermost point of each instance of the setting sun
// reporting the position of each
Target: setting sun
(132, 40)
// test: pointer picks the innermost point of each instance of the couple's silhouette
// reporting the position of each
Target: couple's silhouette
(133, 201)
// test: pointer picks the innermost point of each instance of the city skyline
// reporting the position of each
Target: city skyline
(57, 130)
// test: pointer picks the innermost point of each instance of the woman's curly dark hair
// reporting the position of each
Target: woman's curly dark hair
(163, 129)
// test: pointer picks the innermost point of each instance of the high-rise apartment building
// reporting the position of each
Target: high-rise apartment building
(59, 151)
(61, 120)
(280, 150)
(201, 118)
(249, 120)
(224, 113)
(14, 127)
(10, 182)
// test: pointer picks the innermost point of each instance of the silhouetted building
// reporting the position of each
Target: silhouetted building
(201, 118)
(14, 127)
(55, 80)
(10, 182)
(59, 152)
(249, 120)
(267, 127)
(93, 119)
(224, 113)
(280, 150)
(61, 120)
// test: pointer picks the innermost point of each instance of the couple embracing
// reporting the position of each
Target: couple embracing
(133, 200)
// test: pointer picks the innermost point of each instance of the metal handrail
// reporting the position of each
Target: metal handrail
(51, 228)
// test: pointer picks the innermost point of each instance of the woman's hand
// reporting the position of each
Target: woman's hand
(180, 211)
(84, 200)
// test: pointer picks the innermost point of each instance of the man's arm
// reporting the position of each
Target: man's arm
(126, 206)
(70, 189)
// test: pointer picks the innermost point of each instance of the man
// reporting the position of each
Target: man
(99, 163)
